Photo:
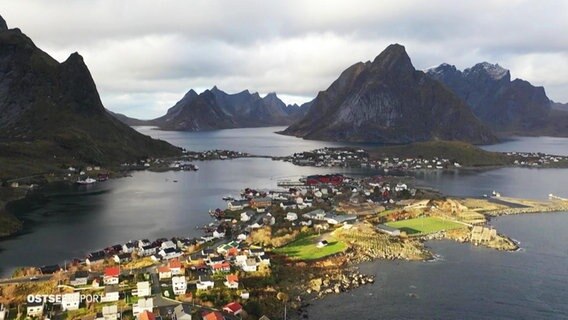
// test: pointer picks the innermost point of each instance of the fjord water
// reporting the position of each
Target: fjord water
(469, 282)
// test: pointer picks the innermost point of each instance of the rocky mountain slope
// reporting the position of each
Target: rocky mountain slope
(389, 101)
(216, 109)
(507, 106)
(51, 112)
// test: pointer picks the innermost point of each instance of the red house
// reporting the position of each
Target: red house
(233, 308)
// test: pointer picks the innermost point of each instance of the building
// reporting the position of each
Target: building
(221, 267)
(79, 278)
(34, 309)
(176, 267)
(111, 276)
(237, 205)
(182, 312)
(259, 202)
(70, 301)
(232, 281)
(143, 289)
(143, 304)
(233, 308)
(3, 312)
(146, 315)
(388, 230)
(111, 294)
(204, 283)
(291, 216)
(179, 285)
(164, 272)
(212, 315)
(110, 312)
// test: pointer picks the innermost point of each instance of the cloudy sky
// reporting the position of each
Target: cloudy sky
(144, 55)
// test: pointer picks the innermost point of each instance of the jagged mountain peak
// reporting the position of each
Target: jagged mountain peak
(3, 25)
(494, 71)
(394, 59)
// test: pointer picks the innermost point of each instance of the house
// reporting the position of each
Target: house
(204, 283)
(250, 265)
(207, 252)
(95, 257)
(221, 267)
(110, 312)
(335, 219)
(240, 260)
(111, 294)
(168, 244)
(232, 281)
(182, 312)
(148, 250)
(237, 205)
(317, 214)
(245, 295)
(388, 230)
(169, 253)
(179, 285)
(128, 247)
(288, 205)
(79, 278)
(212, 315)
(143, 289)
(218, 234)
(143, 243)
(264, 259)
(268, 219)
(3, 312)
(291, 216)
(233, 308)
(246, 216)
(256, 252)
(215, 260)
(224, 248)
(260, 202)
(176, 267)
(143, 304)
(146, 315)
(70, 301)
(34, 309)
(122, 258)
(164, 272)
(111, 275)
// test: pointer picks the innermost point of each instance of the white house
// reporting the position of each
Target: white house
(179, 285)
(291, 216)
(169, 253)
(147, 251)
(246, 216)
(143, 304)
(2, 312)
(110, 312)
(128, 247)
(182, 312)
(218, 234)
(204, 283)
(168, 244)
(34, 309)
(250, 265)
(70, 301)
(164, 273)
(143, 289)
(111, 294)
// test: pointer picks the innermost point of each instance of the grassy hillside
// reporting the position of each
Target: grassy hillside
(466, 154)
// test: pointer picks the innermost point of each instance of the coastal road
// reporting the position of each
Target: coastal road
(26, 279)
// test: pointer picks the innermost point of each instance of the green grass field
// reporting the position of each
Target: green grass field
(424, 225)
(306, 248)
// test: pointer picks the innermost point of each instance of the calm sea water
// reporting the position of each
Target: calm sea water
(469, 283)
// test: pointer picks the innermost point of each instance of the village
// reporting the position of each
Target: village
(267, 251)
(359, 158)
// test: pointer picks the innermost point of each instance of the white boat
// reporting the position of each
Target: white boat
(86, 181)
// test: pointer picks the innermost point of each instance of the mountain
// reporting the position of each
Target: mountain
(388, 101)
(51, 112)
(559, 106)
(216, 109)
(507, 106)
(128, 120)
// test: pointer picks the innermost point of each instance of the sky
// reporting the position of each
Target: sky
(144, 55)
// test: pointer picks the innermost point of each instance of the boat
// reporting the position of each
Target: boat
(86, 181)
(228, 198)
